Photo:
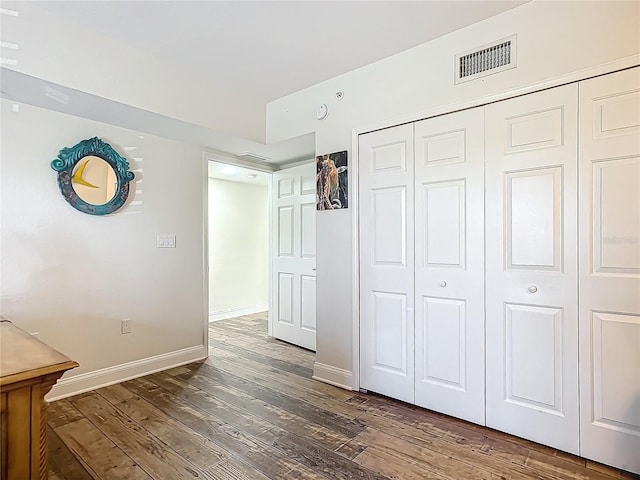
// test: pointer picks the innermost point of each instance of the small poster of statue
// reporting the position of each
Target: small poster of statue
(332, 187)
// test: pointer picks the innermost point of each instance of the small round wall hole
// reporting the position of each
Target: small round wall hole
(339, 95)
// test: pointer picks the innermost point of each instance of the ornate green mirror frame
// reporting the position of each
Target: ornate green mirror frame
(70, 165)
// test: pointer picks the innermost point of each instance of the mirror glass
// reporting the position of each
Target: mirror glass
(94, 180)
(93, 177)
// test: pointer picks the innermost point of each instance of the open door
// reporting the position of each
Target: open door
(293, 287)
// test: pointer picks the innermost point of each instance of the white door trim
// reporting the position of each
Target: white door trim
(603, 69)
(205, 251)
(354, 186)
(270, 299)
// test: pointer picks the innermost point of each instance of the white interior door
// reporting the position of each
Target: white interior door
(293, 315)
(531, 267)
(610, 269)
(449, 271)
(387, 262)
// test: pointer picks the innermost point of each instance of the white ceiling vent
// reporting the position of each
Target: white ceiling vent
(486, 60)
(253, 157)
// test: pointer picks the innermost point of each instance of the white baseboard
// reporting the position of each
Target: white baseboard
(126, 371)
(332, 375)
(237, 312)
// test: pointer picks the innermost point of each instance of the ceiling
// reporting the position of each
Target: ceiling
(263, 49)
(269, 49)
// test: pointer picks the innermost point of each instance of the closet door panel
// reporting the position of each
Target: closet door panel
(387, 262)
(444, 329)
(533, 357)
(443, 222)
(610, 269)
(449, 275)
(531, 267)
(533, 211)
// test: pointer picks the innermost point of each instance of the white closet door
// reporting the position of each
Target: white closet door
(386, 262)
(294, 255)
(449, 276)
(531, 267)
(610, 269)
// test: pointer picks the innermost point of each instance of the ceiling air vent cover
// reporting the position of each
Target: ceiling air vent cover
(489, 59)
(253, 157)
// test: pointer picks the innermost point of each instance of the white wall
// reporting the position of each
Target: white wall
(554, 38)
(72, 277)
(238, 247)
(75, 56)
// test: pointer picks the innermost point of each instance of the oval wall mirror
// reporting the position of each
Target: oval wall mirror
(93, 177)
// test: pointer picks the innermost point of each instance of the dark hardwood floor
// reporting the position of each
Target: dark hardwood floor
(252, 411)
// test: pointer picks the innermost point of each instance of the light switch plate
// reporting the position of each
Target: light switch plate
(166, 241)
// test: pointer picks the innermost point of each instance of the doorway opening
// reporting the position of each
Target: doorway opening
(238, 217)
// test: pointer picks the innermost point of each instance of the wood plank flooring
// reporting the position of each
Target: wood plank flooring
(252, 412)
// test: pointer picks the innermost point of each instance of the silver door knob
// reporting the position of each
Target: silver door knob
(532, 289)
(443, 283)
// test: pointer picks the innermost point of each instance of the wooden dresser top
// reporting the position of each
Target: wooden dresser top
(23, 357)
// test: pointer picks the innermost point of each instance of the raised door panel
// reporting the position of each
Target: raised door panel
(531, 267)
(615, 340)
(387, 159)
(444, 224)
(285, 231)
(533, 362)
(390, 333)
(308, 302)
(533, 210)
(610, 119)
(449, 234)
(533, 130)
(444, 338)
(285, 298)
(285, 186)
(308, 183)
(442, 148)
(308, 230)
(610, 269)
(616, 217)
(389, 232)
(386, 261)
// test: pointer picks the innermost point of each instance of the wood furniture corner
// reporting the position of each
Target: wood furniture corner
(28, 370)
